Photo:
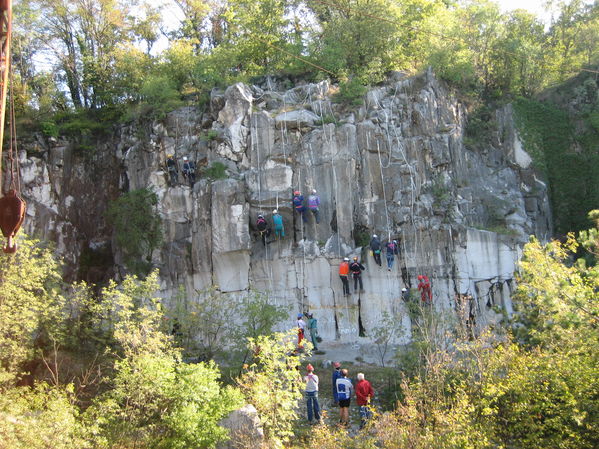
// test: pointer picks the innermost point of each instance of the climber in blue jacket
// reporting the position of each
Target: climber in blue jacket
(298, 204)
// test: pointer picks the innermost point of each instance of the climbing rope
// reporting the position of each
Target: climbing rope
(378, 149)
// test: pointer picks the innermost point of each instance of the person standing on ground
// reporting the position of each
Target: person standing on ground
(278, 223)
(375, 247)
(364, 395)
(336, 375)
(356, 269)
(298, 204)
(313, 328)
(313, 204)
(392, 249)
(344, 274)
(344, 392)
(301, 328)
(311, 381)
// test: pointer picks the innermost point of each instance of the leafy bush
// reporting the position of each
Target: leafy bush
(272, 385)
(30, 306)
(39, 417)
(159, 93)
(351, 92)
(216, 171)
(137, 227)
(325, 120)
(49, 129)
(154, 399)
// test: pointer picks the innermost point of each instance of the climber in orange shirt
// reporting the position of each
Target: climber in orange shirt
(344, 275)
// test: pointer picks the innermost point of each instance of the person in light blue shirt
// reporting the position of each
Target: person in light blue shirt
(277, 220)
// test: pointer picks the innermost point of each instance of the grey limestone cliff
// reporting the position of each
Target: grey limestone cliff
(396, 166)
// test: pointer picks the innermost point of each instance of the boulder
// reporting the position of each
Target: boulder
(244, 428)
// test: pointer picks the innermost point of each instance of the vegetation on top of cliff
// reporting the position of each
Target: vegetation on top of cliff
(102, 54)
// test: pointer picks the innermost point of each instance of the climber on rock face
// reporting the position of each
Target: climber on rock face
(356, 269)
(298, 204)
(343, 274)
(262, 227)
(424, 285)
(301, 329)
(392, 249)
(313, 328)
(171, 167)
(375, 247)
(277, 220)
(313, 204)
(189, 171)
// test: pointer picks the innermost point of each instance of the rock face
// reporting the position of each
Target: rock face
(396, 166)
(244, 428)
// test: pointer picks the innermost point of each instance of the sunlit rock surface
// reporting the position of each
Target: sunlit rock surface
(397, 166)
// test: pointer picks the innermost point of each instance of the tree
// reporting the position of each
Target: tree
(155, 399)
(272, 384)
(30, 306)
(355, 40)
(136, 227)
(84, 35)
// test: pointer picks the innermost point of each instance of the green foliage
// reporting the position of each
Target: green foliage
(481, 126)
(589, 239)
(39, 417)
(271, 384)
(555, 300)
(49, 129)
(30, 306)
(361, 236)
(351, 92)
(218, 325)
(216, 171)
(548, 136)
(210, 135)
(137, 227)
(594, 120)
(325, 120)
(155, 399)
(160, 94)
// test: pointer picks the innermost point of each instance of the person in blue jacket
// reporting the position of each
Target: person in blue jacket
(392, 248)
(336, 375)
(298, 204)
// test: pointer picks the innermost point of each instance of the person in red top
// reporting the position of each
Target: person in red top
(344, 275)
(424, 285)
(364, 395)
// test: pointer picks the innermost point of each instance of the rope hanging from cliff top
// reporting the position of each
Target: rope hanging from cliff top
(378, 149)
(254, 137)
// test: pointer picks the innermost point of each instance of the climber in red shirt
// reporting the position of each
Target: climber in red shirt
(424, 285)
